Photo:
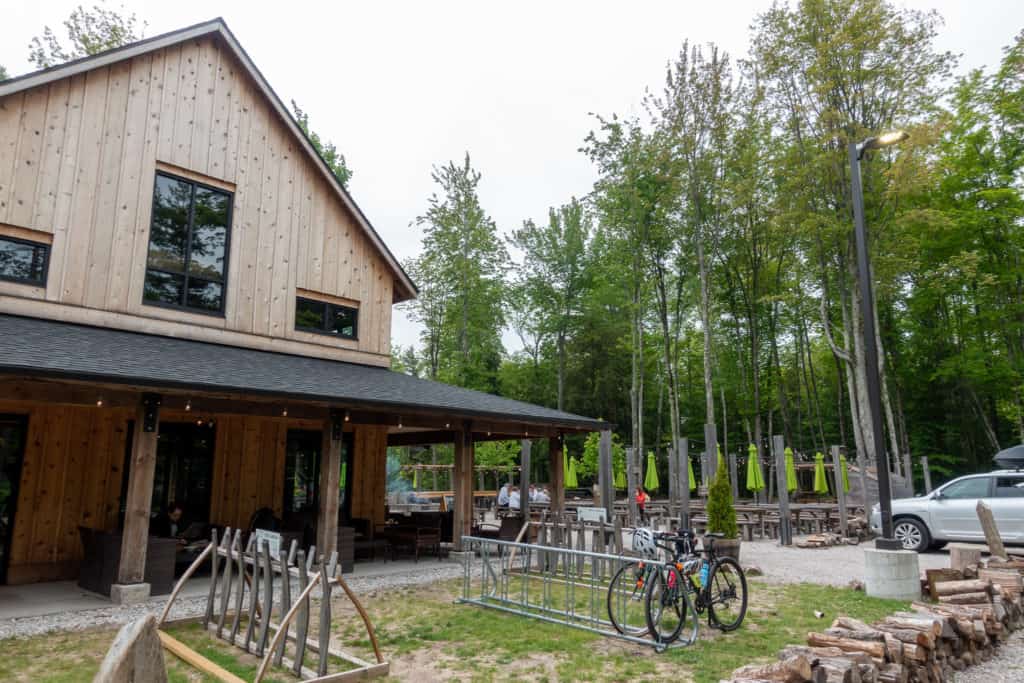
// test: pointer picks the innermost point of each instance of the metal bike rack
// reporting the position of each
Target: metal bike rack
(557, 585)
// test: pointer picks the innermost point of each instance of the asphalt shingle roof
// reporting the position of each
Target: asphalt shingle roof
(57, 349)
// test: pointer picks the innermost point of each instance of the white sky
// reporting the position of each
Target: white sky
(399, 86)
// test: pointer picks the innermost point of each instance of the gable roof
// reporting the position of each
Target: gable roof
(48, 348)
(406, 288)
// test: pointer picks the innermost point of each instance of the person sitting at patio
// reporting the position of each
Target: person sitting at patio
(168, 523)
(513, 499)
(533, 493)
(543, 496)
(641, 502)
(503, 495)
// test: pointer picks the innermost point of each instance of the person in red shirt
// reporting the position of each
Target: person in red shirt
(641, 502)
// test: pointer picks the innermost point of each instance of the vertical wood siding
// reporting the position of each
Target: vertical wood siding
(78, 158)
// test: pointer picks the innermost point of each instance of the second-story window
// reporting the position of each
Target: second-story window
(326, 318)
(23, 261)
(188, 245)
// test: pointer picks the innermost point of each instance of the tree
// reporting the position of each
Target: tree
(3, 73)
(334, 159)
(89, 31)
(721, 511)
(555, 275)
(461, 274)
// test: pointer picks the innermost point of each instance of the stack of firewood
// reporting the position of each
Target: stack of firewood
(826, 540)
(927, 644)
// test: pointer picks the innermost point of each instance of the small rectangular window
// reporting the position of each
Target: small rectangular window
(23, 261)
(1010, 487)
(188, 245)
(326, 318)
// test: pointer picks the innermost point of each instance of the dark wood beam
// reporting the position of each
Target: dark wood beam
(141, 468)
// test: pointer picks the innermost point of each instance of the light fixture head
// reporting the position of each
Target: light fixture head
(199, 422)
(447, 425)
(99, 402)
(188, 405)
(348, 416)
(284, 412)
(884, 140)
(399, 422)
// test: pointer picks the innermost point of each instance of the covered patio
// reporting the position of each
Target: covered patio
(261, 430)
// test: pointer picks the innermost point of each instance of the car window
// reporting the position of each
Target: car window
(1009, 487)
(968, 488)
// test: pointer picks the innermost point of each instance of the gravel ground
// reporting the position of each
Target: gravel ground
(834, 566)
(1007, 666)
(117, 615)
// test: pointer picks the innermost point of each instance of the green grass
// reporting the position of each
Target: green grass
(424, 634)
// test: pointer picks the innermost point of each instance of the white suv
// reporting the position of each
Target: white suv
(949, 513)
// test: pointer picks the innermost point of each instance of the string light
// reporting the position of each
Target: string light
(188, 405)
(284, 412)
(447, 425)
(399, 421)
(347, 416)
(99, 402)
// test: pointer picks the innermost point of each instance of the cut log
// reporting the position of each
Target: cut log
(866, 634)
(893, 648)
(794, 669)
(925, 639)
(892, 673)
(961, 555)
(935, 576)
(850, 623)
(965, 586)
(965, 598)
(838, 670)
(917, 623)
(875, 649)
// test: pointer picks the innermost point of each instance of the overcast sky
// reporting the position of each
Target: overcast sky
(399, 86)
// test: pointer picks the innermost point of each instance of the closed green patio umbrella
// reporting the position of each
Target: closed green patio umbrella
(755, 479)
(693, 479)
(571, 481)
(820, 480)
(791, 482)
(415, 479)
(845, 475)
(620, 479)
(565, 466)
(651, 482)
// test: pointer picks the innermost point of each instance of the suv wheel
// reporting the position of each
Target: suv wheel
(912, 534)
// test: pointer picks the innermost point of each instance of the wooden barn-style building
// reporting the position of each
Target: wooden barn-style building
(194, 309)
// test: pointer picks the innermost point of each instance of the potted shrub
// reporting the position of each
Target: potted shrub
(722, 515)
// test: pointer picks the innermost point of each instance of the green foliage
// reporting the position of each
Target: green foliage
(461, 274)
(721, 512)
(89, 31)
(334, 159)
(588, 464)
(3, 73)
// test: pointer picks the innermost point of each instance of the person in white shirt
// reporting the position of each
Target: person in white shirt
(513, 499)
(503, 495)
(543, 497)
(533, 493)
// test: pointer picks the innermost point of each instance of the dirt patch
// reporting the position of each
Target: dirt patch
(426, 665)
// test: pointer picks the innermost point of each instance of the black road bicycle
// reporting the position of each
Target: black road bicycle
(717, 585)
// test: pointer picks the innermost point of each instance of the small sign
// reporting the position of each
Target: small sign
(271, 538)
(585, 514)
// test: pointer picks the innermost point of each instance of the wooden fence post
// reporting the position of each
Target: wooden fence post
(837, 471)
(683, 472)
(605, 472)
(785, 525)
(462, 473)
(733, 479)
(927, 474)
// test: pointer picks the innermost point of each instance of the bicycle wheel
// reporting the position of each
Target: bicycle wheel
(727, 594)
(668, 607)
(626, 599)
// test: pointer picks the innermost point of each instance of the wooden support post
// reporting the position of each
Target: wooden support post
(927, 474)
(605, 473)
(141, 469)
(555, 456)
(732, 477)
(837, 471)
(683, 472)
(711, 448)
(785, 525)
(524, 478)
(862, 462)
(462, 473)
(631, 484)
(673, 480)
(330, 472)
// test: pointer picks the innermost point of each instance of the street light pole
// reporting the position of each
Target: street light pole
(867, 311)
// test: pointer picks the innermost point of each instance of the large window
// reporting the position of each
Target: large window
(326, 318)
(23, 261)
(968, 488)
(188, 246)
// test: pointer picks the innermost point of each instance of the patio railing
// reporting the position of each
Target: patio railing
(557, 585)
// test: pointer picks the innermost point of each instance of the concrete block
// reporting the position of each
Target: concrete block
(129, 593)
(891, 574)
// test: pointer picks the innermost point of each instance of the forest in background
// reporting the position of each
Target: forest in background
(710, 275)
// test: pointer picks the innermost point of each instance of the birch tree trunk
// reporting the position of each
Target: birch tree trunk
(705, 316)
